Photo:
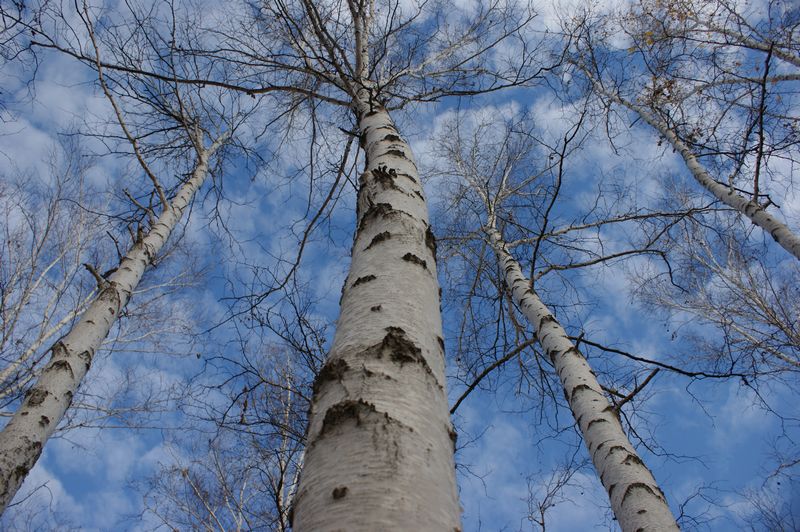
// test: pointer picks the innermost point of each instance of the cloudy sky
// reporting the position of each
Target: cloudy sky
(715, 440)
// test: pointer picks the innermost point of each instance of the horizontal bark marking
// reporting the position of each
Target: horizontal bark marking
(377, 239)
(615, 448)
(410, 257)
(381, 209)
(642, 486)
(339, 492)
(378, 209)
(362, 280)
(547, 318)
(600, 446)
(385, 176)
(62, 365)
(369, 373)
(36, 396)
(356, 411)
(592, 422)
(345, 410)
(396, 153)
(576, 352)
(632, 459)
(376, 308)
(397, 145)
(401, 349)
(333, 370)
(391, 137)
(578, 388)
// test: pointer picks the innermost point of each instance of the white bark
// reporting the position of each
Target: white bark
(23, 438)
(379, 453)
(636, 500)
(757, 214)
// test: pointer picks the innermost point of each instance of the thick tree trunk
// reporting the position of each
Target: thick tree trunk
(757, 214)
(637, 501)
(43, 407)
(379, 449)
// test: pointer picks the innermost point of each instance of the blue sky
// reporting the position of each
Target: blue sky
(714, 436)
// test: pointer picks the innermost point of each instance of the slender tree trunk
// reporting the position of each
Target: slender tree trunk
(379, 448)
(22, 440)
(757, 214)
(637, 501)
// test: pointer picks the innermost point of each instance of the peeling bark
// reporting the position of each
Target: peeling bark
(637, 501)
(380, 441)
(23, 438)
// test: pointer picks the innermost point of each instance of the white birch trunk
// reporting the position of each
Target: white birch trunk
(379, 447)
(23, 438)
(636, 500)
(757, 214)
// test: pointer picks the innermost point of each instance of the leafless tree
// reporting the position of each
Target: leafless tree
(714, 81)
(49, 230)
(367, 59)
(185, 124)
(500, 179)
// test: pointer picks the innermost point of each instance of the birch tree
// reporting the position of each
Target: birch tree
(727, 284)
(237, 460)
(46, 239)
(384, 376)
(235, 466)
(45, 404)
(379, 450)
(714, 81)
(636, 499)
(23, 438)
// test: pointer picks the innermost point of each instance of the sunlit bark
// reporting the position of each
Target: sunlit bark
(380, 443)
(23, 439)
(636, 500)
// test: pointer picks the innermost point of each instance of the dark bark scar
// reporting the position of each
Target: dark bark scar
(365, 279)
(410, 257)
